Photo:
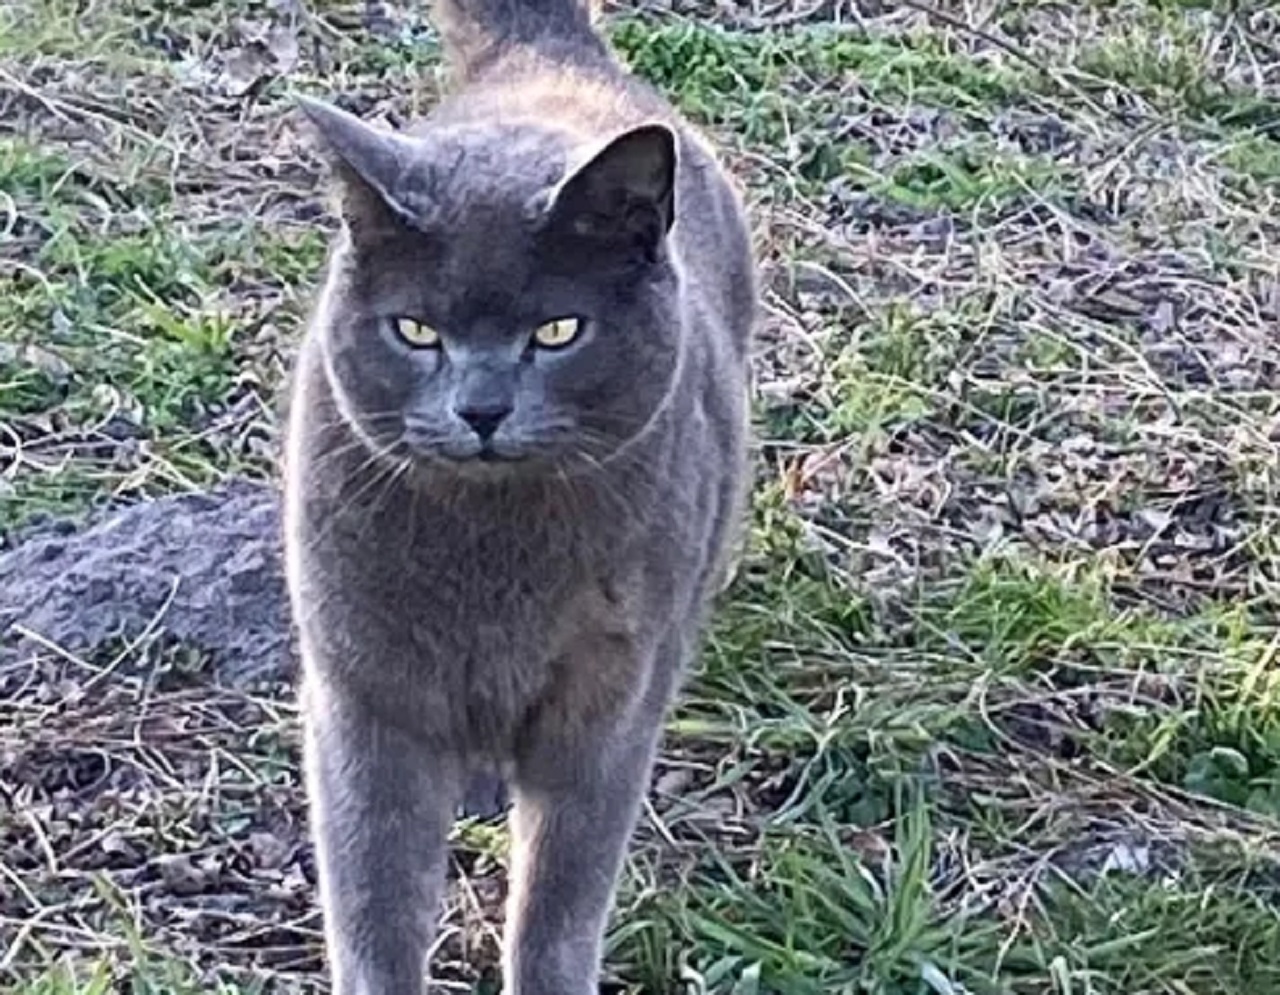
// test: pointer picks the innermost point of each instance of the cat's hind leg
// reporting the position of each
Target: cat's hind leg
(381, 806)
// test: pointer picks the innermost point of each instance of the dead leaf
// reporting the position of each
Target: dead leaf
(269, 852)
(1165, 318)
(242, 71)
(672, 782)
(48, 362)
(180, 874)
(282, 43)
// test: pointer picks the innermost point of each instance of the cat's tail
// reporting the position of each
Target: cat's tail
(479, 33)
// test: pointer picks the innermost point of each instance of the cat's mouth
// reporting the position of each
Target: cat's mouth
(472, 452)
(483, 457)
(488, 464)
(488, 454)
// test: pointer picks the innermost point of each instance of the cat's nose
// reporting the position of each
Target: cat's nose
(484, 419)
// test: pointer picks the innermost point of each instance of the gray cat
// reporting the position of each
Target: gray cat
(516, 469)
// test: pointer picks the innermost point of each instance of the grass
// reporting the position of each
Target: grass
(993, 705)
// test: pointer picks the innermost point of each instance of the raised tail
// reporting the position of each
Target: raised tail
(477, 33)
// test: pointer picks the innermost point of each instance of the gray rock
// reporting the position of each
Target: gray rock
(214, 558)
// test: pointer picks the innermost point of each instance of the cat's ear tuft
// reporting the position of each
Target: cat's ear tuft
(368, 165)
(623, 197)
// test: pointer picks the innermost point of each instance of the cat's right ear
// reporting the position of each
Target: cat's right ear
(368, 165)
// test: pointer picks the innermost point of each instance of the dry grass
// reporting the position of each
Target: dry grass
(993, 706)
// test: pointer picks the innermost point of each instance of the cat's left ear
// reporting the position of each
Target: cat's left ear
(369, 165)
(623, 198)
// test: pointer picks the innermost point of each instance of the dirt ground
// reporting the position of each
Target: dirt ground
(993, 706)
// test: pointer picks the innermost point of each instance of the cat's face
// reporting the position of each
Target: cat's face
(494, 309)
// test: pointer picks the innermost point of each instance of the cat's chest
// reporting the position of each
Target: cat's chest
(462, 632)
(486, 588)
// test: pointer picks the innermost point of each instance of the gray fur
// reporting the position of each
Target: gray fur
(527, 605)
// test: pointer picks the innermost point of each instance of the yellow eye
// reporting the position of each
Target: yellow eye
(417, 334)
(557, 334)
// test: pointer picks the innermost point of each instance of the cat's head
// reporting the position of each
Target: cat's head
(503, 298)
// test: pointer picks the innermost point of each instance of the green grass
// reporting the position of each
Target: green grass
(993, 705)
(745, 82)
(119, 311)
(1168, 66)
(147, 976)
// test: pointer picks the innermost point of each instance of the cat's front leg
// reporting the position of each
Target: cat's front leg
(381, 805)
(577, 793)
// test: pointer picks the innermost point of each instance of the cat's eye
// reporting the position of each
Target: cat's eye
(556, 334)
(417, 334)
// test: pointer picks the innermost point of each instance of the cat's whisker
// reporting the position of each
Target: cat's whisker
(598, 480)
(354, 442)
(374, 459)
(392, 478)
